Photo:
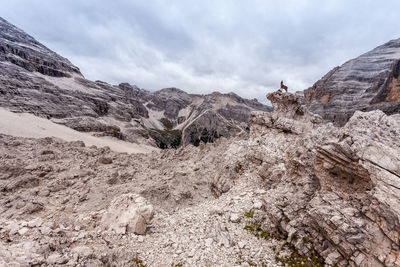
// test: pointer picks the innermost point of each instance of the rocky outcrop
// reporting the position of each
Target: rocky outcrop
(366, 83)
(331, 191)
(20, 49)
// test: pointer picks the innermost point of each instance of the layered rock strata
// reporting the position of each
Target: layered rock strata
(368, 82)
(331, 191)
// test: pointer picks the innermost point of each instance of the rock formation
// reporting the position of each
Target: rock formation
(331, 191)
(366, 83)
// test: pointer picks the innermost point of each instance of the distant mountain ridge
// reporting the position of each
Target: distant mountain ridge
(368, 82)
(36, 80)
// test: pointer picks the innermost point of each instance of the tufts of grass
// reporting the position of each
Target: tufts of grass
(258, 231)
(138, 262)
(296, 259)
(250, 213)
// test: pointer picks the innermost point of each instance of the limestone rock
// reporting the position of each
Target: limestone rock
(337, 188)
(128, 213)
(368, 82)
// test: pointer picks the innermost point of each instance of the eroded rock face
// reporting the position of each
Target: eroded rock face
(366, 83)
(331, 190)
(20, 49)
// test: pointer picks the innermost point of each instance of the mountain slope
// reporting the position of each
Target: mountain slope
(36, 80)
(368, 82)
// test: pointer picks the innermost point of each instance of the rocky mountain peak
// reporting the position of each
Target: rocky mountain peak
(368, 82)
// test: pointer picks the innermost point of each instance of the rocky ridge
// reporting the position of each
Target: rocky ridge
(368, 82)
(36, 80)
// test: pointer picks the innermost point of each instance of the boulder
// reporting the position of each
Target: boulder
(128, 213)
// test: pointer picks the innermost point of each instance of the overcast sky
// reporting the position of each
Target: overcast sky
(201, 46)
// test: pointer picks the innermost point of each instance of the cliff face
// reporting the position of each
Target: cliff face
(331, 191)
(366, 83)
(36, 80)
(23, 50)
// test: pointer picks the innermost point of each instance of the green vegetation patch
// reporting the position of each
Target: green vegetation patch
(295, 259)
(258, 231)
(205, 136)
(166, 138)
(167, 123)
(138, 262)
(291, 259)
(250, 213)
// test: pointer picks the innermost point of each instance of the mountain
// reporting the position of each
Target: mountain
(34, 79)
(368, 82)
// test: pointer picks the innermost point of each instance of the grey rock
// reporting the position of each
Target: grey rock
(337, 188)
(368, 82)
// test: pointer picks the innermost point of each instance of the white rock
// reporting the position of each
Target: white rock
(23, 230)
(208, 242)
(235, 217)
(37, 222)
(82, 251)
(128, 213)
(56, 258)
(258, 204)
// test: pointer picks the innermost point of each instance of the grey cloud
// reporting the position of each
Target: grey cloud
(202, 46)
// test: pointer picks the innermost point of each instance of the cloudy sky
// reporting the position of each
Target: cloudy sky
(246, 47)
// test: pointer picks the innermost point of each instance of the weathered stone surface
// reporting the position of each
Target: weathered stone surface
(20, 49)
(366, 83)
(336, 189)
(128, 213)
